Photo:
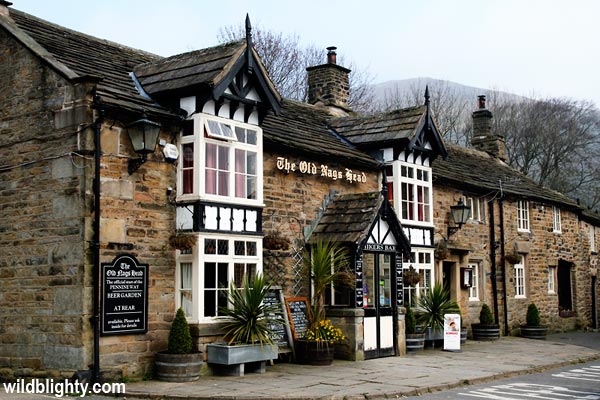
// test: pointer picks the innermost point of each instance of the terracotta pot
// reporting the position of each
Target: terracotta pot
(313, 353)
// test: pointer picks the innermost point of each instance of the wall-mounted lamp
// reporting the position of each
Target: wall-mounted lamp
(460, 215)
(144, 135)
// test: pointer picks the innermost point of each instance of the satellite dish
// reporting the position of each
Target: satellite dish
(171, 153)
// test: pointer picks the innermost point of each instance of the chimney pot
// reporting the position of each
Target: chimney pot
(331, 55)
(481, 101)
(4, 7)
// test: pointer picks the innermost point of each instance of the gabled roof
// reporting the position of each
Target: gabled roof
(349, 218)
(302, 128)
(213, 68)
(404, 128)
(479, 172)
(75, 55)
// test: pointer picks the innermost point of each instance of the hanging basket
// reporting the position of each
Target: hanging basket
(441, 250)
(513, 258)
(182, 241)
(275, 242)
(411, 276)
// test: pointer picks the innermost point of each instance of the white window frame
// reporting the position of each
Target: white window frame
(200, 141)
(474, 289)
(523, 216)
(592, 233)
(423, 263)
(552, 280)
(198, 258)
(474, 203)
(416, 185)
(520, 280)
(556, 222)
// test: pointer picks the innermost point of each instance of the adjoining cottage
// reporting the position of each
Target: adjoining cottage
(254, 180)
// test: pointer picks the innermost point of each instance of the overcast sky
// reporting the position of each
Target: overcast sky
(548, 48)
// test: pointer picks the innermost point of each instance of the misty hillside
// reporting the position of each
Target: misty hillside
(414, 88)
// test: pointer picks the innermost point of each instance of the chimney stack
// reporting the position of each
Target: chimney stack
(483, 139)
(4, 7)
(329, 85)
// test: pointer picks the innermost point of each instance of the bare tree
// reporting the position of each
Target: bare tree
(286, 60)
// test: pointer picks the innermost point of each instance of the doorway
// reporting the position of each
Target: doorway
(378, 302)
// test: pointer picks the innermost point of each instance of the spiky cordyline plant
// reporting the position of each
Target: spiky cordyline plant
(433, 305)
(252, 320)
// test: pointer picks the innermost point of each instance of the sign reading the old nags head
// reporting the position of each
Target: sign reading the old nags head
(124, 296)
(324, 170)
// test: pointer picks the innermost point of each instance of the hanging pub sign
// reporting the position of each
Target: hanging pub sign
(124, 296)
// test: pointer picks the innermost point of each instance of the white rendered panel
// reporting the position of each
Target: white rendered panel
(185, 218)
(210, 217)
(225, 215)
(370, 333)
(386, 335)
(251, 219)
(209, 107)
(188, 104)
(238, 220)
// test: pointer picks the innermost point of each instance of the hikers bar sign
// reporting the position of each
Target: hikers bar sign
(124, 296)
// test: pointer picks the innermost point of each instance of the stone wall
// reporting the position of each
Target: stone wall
(541, 247)
(294, 202)
(44, 296)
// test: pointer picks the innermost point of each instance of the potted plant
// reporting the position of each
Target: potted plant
(533, 329)
(415, 340)
(180, 363)
(327, 263)
(486, 329)
(249, 331)
(432, 306)
(411, 277)
(182, 240)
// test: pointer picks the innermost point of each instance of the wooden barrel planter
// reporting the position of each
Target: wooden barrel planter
(415, 342)
(313, 353)
(178, 367)
(534, 332)
(485, 332)
(463, 336)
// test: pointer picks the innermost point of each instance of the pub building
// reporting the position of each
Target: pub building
(112, 156)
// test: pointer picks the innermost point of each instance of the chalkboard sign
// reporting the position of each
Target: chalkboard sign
(124, 296)
(281, 332)
(299, 315)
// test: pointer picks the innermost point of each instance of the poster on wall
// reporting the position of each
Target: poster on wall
(124, 284)
(452, 332)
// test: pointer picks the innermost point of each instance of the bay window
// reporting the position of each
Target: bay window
(415, 193)
(221, 161)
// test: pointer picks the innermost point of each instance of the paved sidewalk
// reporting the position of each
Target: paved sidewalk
(409, 375)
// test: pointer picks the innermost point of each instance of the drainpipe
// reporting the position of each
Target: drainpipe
(96, 248)
(493, 271)
(503, 262)
(594, 296)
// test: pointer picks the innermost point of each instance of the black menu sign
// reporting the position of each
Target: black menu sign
(399, 280)
(299, 315)
(124, 296)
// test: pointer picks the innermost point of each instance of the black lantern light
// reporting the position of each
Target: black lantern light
(144, 135)
(460, 215)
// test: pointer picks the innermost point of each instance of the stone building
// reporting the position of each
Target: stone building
(253, 179)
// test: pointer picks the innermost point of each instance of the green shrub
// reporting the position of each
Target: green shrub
(180, 338)
(410, 321)
(533, 315)
(433, 305)
(485, 316)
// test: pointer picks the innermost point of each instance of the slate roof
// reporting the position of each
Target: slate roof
(481, 173)
(75, 55)
(348, 218)
(397, 125)
(302, 128)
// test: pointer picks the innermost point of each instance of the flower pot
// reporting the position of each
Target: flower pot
(313, 353)
(178, 367)
(415, 342)
(534, 332)
(434, 337)
(463, 336)
(485, 332)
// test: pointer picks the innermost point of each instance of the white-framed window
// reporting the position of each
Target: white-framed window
(523, 216)
(477, 208)
(474, 289)
(520, 279)
(221, 161)
(415, 193)
(552, 280)
(423, 264)
(556, 225)
(592, 239)
(204, 274)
